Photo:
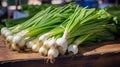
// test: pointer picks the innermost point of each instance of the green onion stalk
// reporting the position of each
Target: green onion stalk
(19, 41)
(53, 31)
(89, 30)
(17, 28)
(87, 34)
(74, 22)
(48, 21)
(49, 39)
(9, 33)
(80, 22)
(64, 13)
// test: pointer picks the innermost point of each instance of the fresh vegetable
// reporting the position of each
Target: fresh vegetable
(57, 31)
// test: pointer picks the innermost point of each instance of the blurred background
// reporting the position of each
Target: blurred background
(24, 9)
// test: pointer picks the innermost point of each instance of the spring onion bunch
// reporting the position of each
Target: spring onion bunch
(17, 28)
(82, 24)
(9, 33)
(54, 31)
(40, 25)
(93, 24)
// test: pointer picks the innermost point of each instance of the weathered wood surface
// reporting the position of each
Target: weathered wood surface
(106, 60)
(104, 49)
(6, 54)
(15, 59)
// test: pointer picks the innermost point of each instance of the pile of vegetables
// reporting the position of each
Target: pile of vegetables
(59, 30)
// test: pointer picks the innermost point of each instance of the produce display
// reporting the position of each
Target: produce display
(56, 31)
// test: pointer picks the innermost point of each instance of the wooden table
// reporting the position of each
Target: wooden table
(15, 59)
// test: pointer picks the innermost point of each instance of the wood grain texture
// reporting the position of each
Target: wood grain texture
(106, 60)
(6, 54)
(15, 59)
(104, 49)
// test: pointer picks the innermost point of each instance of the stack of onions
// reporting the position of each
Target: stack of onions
(54, 31)
(42, 22)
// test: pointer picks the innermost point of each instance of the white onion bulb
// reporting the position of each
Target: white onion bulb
(4, 28)
(8, 33)
(53, 52)
(52, 42)
(34, 47)
(43, 50)
(17, 39)
(29, 44)
(3, 32)
(22, 43)
(43, 37)
(62, 42)
(9, 38)
(46, 42)
(73, 48)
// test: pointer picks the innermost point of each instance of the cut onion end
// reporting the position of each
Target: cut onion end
(9, 38)
(50, 59)
(14, 47)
